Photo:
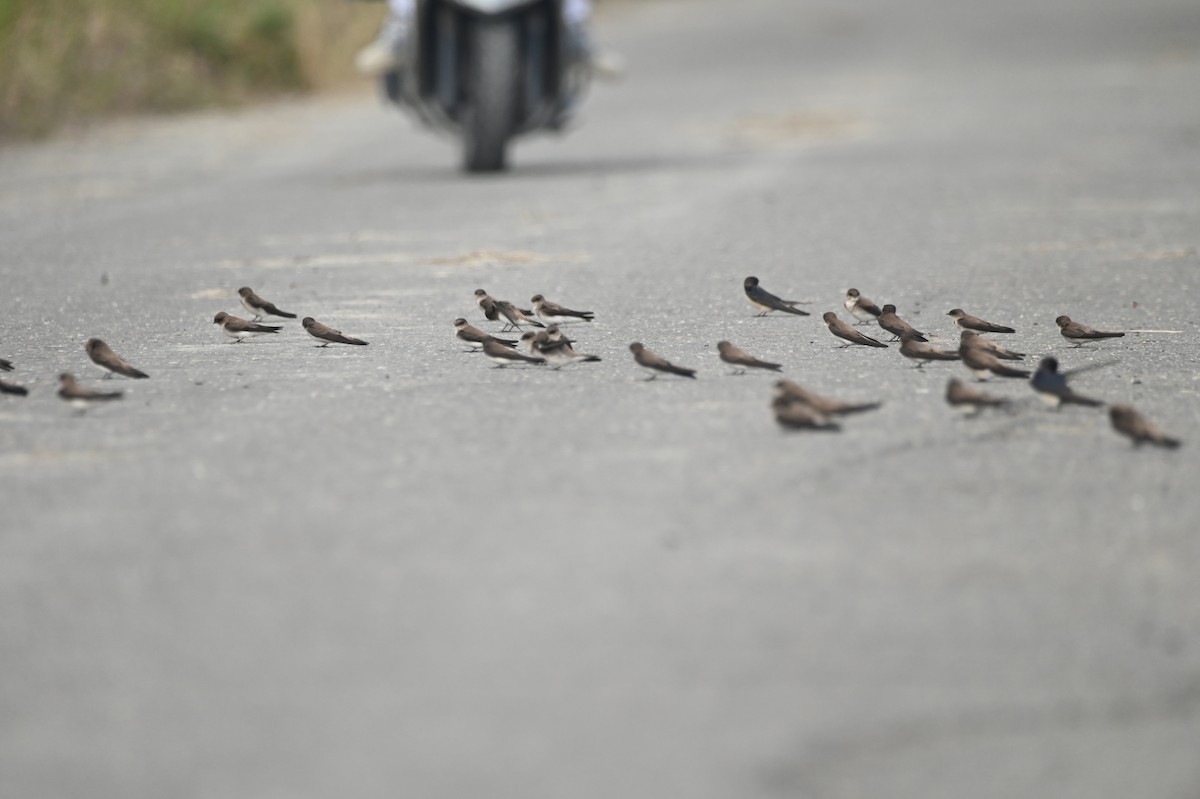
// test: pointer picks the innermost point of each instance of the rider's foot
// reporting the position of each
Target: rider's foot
(387, 52)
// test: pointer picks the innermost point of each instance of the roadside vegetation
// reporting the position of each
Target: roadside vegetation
(64, 62)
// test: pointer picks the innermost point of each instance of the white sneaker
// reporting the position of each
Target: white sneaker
(386, 53)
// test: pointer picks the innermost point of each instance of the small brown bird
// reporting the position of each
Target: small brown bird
(982, 363)
(80, 397)
(893, 324)
(487, 305)
(860, 307)
(109, 362)
(260, 307)
(326, 334)
(1080, 334)
(13, 388)
(822, 405)
(967, 322)
(970, 400)
(795, 415)
(915, 350)
(1140, 430)
(475, 337)
(655, 364)
(238, 329)
(493, 309)
(844, 331)
(554, 313)
(502, 356)
(970, 338)
(558, 352)
(741, 360)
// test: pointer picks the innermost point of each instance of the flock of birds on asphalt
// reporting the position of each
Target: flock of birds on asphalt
(794, 406)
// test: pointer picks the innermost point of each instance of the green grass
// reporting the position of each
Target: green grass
(69, 61)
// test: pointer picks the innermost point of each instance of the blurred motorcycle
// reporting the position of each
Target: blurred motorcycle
(490, 71)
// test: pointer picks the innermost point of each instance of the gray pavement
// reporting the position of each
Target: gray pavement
(281, 571)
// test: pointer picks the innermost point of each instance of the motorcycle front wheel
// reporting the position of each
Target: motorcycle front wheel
(492, 94)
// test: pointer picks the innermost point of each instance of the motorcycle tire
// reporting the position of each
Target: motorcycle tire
(492, 95)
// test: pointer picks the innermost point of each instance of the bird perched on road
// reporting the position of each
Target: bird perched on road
(554, 334)
(13, 388)
(1080, 334)
(238, 329)
(554, 313)
(983, 363)
(109, 362)
(893, 324)
(1051, 384)
(860, 307)
(971, 400)
(475, 337)
(493, 309)
(1140, 430)
(970, 338)
(766, 302)
(502, 355)
(5, 366)
(844, 331)
(557, 352)
(921, 353)
(822, 405)
(81, 397)
(967, 322)
(741, 360)
(260, 307)
(327, 335)
(796, 415)
(655, 364)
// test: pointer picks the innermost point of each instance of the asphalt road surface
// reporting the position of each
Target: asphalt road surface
(274, 570)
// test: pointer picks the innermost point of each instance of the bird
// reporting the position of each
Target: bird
(493, 309)
(795, 415)
(502, 355)
(972, 339)
(109, 362)
(1051, 384)
(13, 388)
(822, 405)
(1140, 430)
(557, 352)
(553, 333)
(554, 313)
(78, 396)
(741, 360)
(766, 302)
(967, 322)
(860, 307)
(971, 400)
(982, 363)
(475, 337)
(260, 307)
(5, 366)
(327, 334)
(844, 331)
(487, 305)
(238, 329)
(655, 364)
(893, 324)
(921, 353)
(1080, 334)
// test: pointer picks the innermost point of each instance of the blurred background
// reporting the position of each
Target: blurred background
(65, 62)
